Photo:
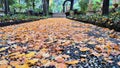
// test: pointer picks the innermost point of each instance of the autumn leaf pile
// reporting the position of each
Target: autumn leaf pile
(60, 43)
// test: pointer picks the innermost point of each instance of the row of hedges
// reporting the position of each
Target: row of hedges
(17, 18)
(112, 21)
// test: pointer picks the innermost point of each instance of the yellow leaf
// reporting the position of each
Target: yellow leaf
(2, 49)
(33, 61)
(20, 55)
(29, 55)
(22, 66)
(14, 54)
(44, 61)
(9, 66)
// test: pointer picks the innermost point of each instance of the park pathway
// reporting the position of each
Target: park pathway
(60, 43)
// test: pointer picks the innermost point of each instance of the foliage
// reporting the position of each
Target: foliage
(96, 6)
(112, 21)
(37, 10)
(83, 5)
(17, 5)
(18, 17)
(11, 2)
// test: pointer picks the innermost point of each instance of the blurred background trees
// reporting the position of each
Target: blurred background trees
(56, 6)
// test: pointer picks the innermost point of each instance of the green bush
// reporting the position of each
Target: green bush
(18, 17)
(112, 21)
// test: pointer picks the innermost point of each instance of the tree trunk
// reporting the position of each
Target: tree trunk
(33, 4)
(72, 3)
(71, 6)
(105, 8)
(45, 7)
(6, 6)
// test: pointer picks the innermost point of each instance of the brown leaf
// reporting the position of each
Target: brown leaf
(116, 47)
(98, 48)
(59, 59)
(58, 49)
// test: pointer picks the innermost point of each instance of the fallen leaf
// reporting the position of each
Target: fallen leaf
(32, 61)
(118, 63)
(3, 65)
(84, 49)
(14, 54)
(59, 59)
(66, 43)
(98, 48)
(116, 47)
(9, 66)
(61, 65)
(96, 54)
(22, 66)
(91, 42)
(3, 62)
(72, 62)
(82, 59)
(14, 63)
(30, 55)
(58, 49)
(43, 61)
(2, 49)
(108, 60)
(65, 56)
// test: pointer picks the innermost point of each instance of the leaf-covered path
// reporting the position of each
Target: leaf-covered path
(58, 43)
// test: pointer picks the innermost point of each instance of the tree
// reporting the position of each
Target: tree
(83, 5)
(72, 3)
(30, 3)
(6, 6)
(45, 7)
(105, 8)
(71, 6)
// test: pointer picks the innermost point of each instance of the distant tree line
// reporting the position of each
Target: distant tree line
(105, 8)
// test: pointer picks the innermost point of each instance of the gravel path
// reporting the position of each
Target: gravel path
(59, 43)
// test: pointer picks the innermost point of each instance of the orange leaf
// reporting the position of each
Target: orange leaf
(61, 65)
(83, 59)
(3, 66)
(72, 62)
(84, 49)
